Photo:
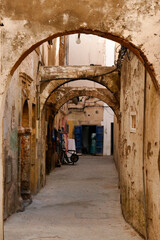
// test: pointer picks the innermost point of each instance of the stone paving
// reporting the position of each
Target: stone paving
(79, 202)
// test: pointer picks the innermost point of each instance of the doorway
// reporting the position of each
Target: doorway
(89, 139)
(88, 135)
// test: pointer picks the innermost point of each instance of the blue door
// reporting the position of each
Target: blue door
(99, 139)
(78, 138)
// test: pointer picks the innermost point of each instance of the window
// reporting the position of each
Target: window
(133, 122)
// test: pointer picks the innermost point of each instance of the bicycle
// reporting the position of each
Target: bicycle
(69, 157)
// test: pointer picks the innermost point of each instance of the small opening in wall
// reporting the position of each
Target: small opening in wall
(50, 42)
(133, 122)
(25, 115)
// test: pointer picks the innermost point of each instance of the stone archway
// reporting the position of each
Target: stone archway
(111, 20)
(53, 78)
(64, 94)
(129, 23)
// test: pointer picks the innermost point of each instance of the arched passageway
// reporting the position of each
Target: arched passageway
(58, 102)
(64, 94)
(131, 108)
(107, 23)
(54, 77)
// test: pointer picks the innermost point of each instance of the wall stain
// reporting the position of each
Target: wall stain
(14, 140)
(149, 152)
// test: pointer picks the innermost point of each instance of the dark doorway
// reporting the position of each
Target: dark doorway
(89, 139)
(88, 132)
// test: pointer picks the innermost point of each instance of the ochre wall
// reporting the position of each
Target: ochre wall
(131, 153)
(12, 121)
(131, 143)
(152, 159)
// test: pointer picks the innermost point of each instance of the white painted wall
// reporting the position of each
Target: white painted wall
(110, 53)
(108, 118)
(91, 50)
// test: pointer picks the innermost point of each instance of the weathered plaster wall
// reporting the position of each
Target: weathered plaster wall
(10, 134)
(119, 20)
(52, 58)
(63, 51)
(152, 159)
(11, 122)
(133, 151)
(131, 142)
(91, 114)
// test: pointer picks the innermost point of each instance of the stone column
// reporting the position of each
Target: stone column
(25, 163)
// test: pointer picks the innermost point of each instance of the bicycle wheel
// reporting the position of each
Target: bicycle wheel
(74, 157)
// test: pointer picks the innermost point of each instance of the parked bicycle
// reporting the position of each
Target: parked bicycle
(69, 157)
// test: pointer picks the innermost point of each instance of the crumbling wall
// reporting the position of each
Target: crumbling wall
(28, 24)
(11, 122)
(139, 148)
(152, 159)
(10, 136)
(131, 142)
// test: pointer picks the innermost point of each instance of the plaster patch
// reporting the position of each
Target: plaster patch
(84, 24)
(65, 18)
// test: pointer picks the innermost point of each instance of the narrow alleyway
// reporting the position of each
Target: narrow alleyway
(78, 202)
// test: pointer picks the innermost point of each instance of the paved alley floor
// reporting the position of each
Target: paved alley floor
(79, 202)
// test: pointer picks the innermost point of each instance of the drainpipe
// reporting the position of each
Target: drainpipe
(143, 157)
